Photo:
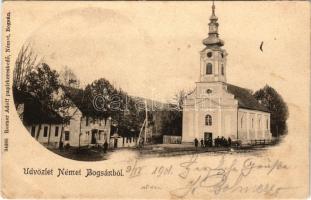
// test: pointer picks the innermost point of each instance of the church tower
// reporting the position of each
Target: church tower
(213, 57)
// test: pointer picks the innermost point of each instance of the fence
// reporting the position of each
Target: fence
(262, 142)
(171, 139)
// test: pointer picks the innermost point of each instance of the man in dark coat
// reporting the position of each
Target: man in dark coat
(202, 143)
(105, 146)
(196, 142)
(206, 143)
(229, 141)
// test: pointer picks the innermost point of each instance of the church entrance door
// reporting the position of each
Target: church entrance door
(208, 136)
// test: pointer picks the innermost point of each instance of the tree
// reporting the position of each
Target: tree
(179, 99)
(68, 78)
(26, 62)
(98, 97)
(270, 98)
(171, 122)
(42, 83)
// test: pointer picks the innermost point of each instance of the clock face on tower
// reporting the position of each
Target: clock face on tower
(209, 54)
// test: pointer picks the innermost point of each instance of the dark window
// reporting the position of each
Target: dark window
(209, 54)
(209, 91)
(45, 133)
(267, 125)
(33, 131)
(56, 131)
(222, 69)
(208, 120)
(67, 135)
(209, 68)
(252, 123)
(222, 55)
(87, 121)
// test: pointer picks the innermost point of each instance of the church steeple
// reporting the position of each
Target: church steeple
(213, 57)
(213, 39)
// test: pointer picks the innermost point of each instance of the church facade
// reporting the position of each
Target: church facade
(217, 108)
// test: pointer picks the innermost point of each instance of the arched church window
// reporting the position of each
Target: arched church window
(208, 120)
(242, 122)
(209, 54)
(222, 69)
(222, 55)
(209, 68)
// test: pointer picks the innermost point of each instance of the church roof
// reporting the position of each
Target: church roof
(245, 98)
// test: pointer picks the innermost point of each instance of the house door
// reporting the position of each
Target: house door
(209, 137)
(93, 139)
(115, 145)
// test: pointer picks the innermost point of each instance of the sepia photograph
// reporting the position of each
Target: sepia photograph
(204, 97)
(92, 118)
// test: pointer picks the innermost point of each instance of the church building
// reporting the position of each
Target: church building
(217, 108)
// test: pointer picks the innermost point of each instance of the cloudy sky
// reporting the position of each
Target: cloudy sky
(151, 49)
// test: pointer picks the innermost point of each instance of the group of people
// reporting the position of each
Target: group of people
(222, 142)
(218, 142)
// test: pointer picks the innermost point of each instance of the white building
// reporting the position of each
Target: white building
(216, 108)
(47, 126)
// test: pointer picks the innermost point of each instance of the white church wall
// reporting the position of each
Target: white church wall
(188, 125)
(253, 125)
(229, 123)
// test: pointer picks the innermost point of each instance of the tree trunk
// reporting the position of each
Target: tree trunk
(49, 136)
(38, 132)
(61, 137)
(80, 132)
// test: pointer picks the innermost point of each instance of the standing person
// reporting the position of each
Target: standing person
(202, 143)
(217, 141)
(196, 142)
(223, 142)
(229, 141)
(206, 143)
(105, 146)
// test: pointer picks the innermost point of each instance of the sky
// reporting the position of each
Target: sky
(151, 49)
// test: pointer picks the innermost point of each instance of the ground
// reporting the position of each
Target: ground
(93, 154)
(157, 150)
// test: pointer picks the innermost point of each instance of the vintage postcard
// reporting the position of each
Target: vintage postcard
(155, 100)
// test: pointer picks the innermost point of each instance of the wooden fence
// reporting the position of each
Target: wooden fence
(171, 139)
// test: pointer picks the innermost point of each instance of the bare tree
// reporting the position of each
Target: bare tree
(179, 99)
(68, 78)
(26, 61)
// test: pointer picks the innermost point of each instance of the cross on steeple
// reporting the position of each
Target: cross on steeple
(213, 39)
(213, 8)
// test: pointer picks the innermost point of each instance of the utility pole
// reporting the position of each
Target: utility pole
(146, 124)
